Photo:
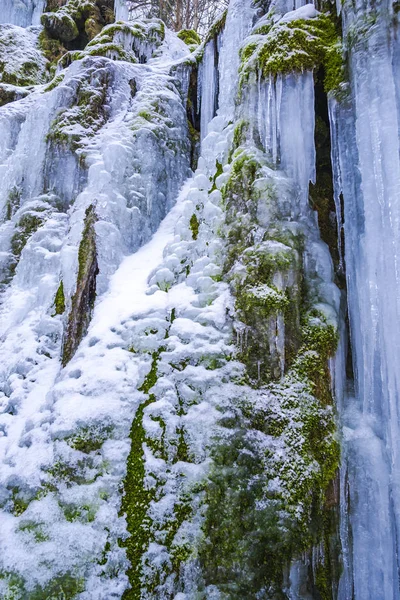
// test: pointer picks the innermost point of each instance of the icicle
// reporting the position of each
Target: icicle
(337, 182)
(366, 139)
(287, 107)
(208, 87)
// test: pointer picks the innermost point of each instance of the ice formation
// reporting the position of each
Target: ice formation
(178, 414)
(22, 12)
(366, 144)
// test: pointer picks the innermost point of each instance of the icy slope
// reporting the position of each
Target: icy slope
(85, 142)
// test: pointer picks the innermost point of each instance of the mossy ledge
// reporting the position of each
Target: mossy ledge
(295, 46)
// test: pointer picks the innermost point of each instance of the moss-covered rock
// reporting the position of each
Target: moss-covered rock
(217, 27)
(132, 42)
(277, 454)
(194, 226)
(21, 61)
(89, 111)
(78, 21)
(89, 439)
(52, 49)
(137, 495)
(28, 224)
(273, 462)
(191, 38)
(83, 300)
(282, 46)
(59, 301)
(63, 586)
(10, 93)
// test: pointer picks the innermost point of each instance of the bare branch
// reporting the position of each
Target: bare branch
(178, 14)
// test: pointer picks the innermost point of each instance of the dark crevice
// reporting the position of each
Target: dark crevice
(322, 194)
(193, 116)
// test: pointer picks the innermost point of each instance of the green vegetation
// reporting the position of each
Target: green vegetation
(59, 301)
(194, 226)
(89, 112)
(63, 587)
(13, 202)
(303, 44)
(217, 28)
(137, 496)
(266, 491)
(276, 455)
(89, 439)
(27, 225)
(77, 21)
(190, 37)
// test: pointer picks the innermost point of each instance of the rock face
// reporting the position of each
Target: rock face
(78, 21)
(173, 304)
(83, 300)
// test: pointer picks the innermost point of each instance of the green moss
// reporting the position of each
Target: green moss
(277, 454)
(35, 530)
(89, 439)
(55, 82)
(264, 508)
(137, 496)
(319, 343)
(76, 22)
(194, 136)
(303, 44)
(190, 37)
(59, 301)
(83, 514)
(262, 299)
(51, 48)
(13, 202)
(145, 114)
(88, 115)
(30, 67)
(217, 27)
(64, 586)
(85, 254)
(108, 41)
(239, 136)
(28, 224)
(194, 226)
(20, 506)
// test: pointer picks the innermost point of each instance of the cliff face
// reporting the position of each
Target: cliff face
(173, 303)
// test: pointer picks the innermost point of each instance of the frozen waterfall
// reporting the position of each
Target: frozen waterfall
(366, 142)
(22, 12)
(175, 373)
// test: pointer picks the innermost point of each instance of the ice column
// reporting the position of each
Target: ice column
(121, 10)
(209, 86)
(368, 175)
(239, 21)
